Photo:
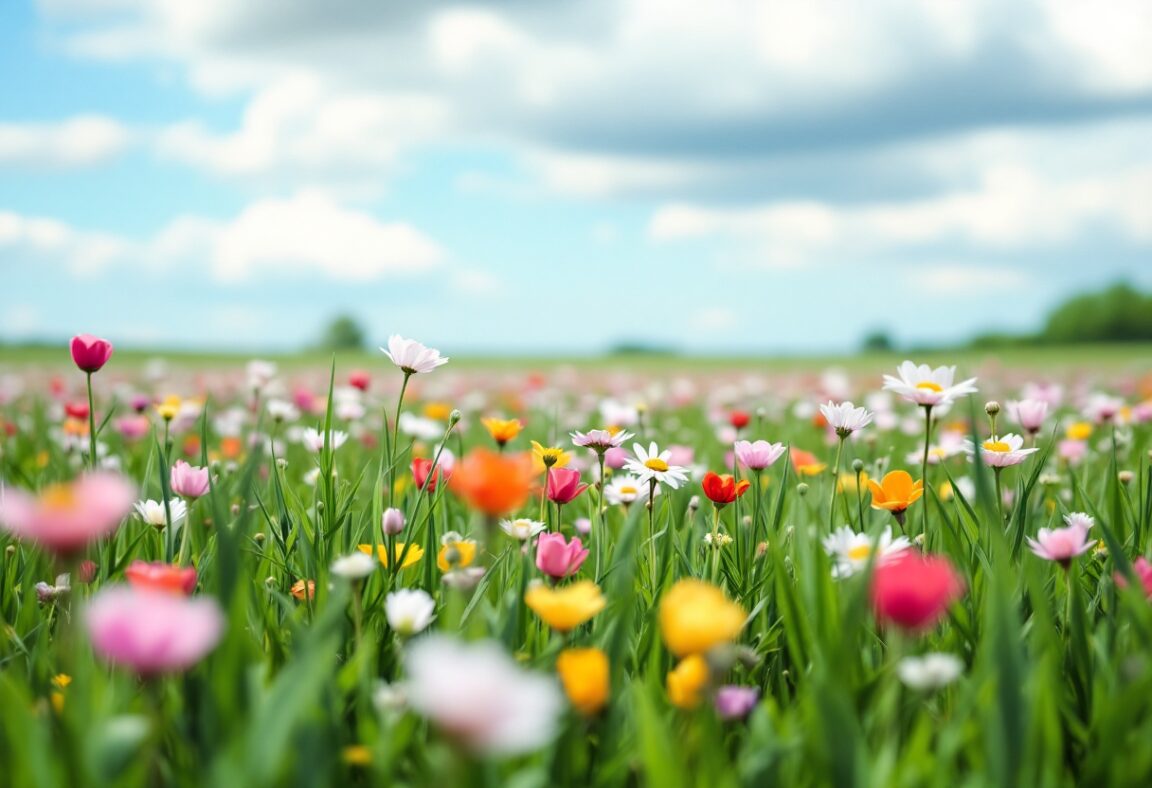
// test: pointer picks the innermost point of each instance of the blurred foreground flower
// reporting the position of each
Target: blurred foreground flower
(696, 616)
(152, 632)
(914, 591)
(478, 696)
(929, 672)
(584, 672)
(495, 484)
(65, 518)
(409, 610)
(565, 608)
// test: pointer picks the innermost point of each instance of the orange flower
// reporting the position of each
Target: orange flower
(302, 589)
(686, 682)
(584, 672)
(723, 489)
(495, 484)
(805, 462)
(896, 491)
(502, 430)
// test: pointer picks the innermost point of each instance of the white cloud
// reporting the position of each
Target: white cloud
(960, 279)
(81, 141)
(475, 282)
(713, 320)
(32, 239)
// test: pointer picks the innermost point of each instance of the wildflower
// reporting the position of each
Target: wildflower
(557, 558)
(720, 540)
(313, 440)
(49, 592)
(723, 489)
(152, 512)
(455, 552)
(1029, 414)
(739, 419)
(411, 356)
(1002, 452)
(65, 518)
(425, 477)
(1078, 431)
(546, 457)
(734, 702)
(188, 481)
(411, 553)
(492, 483)
(356, 755)
(392, 522)
(356, 566)
(169, 407)
(464, 579)
(805, 462)
(687, 681)
(161, 577)
(90, 353)
(695, 616)
(929, 672)
(409, 611)
(845, 418)
(1143, 571)
(922, 385)
(653, 465)
(851, 551)
(1103, 408)
(564, 485)
(758, 455)
(1061, 544)
(895, 492)
(303, 589)
(914, 591)
(585, 675)
(600, 441)
(152, 632)
(567, 607)
(1080, 520)
(502, 430)
(624, 490)
(360, 379)
(522, 529)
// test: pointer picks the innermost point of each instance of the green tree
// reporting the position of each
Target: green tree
(1118, 314)
(342, 333)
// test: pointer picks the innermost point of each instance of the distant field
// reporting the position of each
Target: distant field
(1135, 357)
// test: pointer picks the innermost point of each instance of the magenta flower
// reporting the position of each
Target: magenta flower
(189, 480)
(615, 457)
(1061, 544)
(152, 632)
(734, 702)
(759, 455)
(1143, 570)
(557, 558)
(90, 353)
(564, 485)
(65, 518)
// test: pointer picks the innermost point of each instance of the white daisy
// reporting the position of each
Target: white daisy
(923, 385)
(1002, 452)
(313, 439)
(851, 551)
(653, 464)
(845, 418)
(409, 610)
(411, 356)
(625, 490)
(522, 528)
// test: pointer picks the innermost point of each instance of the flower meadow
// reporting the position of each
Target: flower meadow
(419, 576)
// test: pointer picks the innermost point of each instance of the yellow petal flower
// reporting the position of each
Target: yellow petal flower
(568, 607)
(584, 674)
(462, 553)
(695, 616)
(686, 682)
(414, 554)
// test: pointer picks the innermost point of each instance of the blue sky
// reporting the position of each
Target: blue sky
(518, 176)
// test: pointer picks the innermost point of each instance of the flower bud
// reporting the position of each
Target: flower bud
(258, 537)
(393, 521)
(454, 417)
(1125, 477)
(802, 488)
(857, 465)
(992, 408)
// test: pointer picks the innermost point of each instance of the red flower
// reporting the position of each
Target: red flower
(76, 410)
(723, 489)
(739, 419)
(914, 591)
(359, 379)
(421, 468)
(90, 353)
(564, 485)
(161, 577)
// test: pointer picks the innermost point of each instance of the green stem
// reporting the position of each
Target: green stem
(835, 483)
(999, 495)
(924, 467)
(91, 426)
(396, 440)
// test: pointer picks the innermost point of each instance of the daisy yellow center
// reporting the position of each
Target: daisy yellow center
(656, 464)
(57, 497)
(860, 552)
(928, 385)
(1000, 446)
(628, 490)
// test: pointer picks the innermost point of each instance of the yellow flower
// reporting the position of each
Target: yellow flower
(456, 552)
(686, 682)
(896, 491)
(695, 616)
(357, 755)
(1079, 431)
(414, 554)
(169, 407)
(502, 430)
(60, 682)
(568, 607)
(544, 457)
(847, 482)
(584, 674)
(437, 411)
(946, 491)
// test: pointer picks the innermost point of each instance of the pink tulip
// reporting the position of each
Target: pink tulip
(564, 485)
(65, 518)
(914, 591)
(557, 558)
(90, 353)
(189, 480)
(1029, 414)
(152, 632)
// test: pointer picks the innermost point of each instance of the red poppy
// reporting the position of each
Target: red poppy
(76, 410)
(739, 419)
(723, 489)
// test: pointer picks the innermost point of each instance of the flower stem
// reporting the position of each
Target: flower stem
(924, 466)
(835, 483)
(91, 426)
(396, 439)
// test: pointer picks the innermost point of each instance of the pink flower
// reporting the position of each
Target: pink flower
(1061, 544)
(151, 631)
(133, 428)
(90, 353)
(557, 558)
(681, 455)
(64, 518)
(564, 485)
(615, 458)
(1029, 414)
(759, 455)
(189, 480)
(734, 702)
(1072, 451)
(1143, 570)
(914, 591)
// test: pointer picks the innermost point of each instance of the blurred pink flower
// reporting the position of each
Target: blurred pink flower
(615, 458)
(152, 631)
(1072, 451)
(759, 455)
(1029, 414)
(734, 702)
(189, 481)
(133, 428)
(1143, 570)
(64, 518)
(558, 558)
(1061, 544)
(90, 353)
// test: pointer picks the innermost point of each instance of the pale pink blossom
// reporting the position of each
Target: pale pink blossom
(65, 518)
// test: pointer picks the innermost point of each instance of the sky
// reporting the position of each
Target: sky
(519, 176)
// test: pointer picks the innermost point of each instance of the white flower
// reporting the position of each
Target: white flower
(389, 697)
(923, 385)
(931, 671)
(260, 373)
(419, 427)
(282, 410)
(951, 443)
(313, 439)
(1002, 452)
(653, 464)
(851, 550)
(152, 512)
(625, 489)
(481, 697)
(465, 578)
(1102, 408)
(600, 441)
(1080, 519)
(845, 418)
(522, 529)
(411, 356)
(617, 414)
(354, 567)
(409, 610)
